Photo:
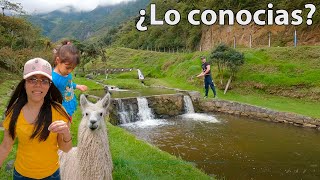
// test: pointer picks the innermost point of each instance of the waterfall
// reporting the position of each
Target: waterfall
(188, 105)
(140, 75)
(145, 112)
(190, 114)
(124, 115)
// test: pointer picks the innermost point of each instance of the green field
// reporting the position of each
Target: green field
(283, 79)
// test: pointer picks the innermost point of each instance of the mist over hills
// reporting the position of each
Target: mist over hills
(70, 23)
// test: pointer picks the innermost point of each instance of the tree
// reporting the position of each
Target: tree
(102, 51)
(17, 32)
(227, 58)
(234, 61)
(218, 56)
(15, 7)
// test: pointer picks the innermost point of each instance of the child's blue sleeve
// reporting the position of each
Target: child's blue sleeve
(74, 85)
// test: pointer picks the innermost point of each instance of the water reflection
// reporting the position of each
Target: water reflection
(237, 148)
(120, 93)
(147, 123)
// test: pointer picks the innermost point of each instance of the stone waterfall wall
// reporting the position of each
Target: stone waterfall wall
(163, 106)
(114, 107)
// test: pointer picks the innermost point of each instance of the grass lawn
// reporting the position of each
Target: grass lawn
(285, 104)
(282, 79)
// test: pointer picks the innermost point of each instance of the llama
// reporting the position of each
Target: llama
(92, 158)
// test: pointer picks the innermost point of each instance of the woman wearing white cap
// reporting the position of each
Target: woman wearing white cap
(35, 117)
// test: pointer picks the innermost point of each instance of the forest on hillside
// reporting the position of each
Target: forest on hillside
(186, 36)
(20, 41)
(82, 25)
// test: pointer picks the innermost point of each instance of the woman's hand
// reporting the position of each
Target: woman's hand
(64, 135)
(60, 127)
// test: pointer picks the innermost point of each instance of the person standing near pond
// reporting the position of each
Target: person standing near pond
(66, 58)
(206, 72)
(36, 119)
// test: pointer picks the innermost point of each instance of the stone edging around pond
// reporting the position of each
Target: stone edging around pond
(256, 112)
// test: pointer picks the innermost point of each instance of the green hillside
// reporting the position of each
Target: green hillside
(284, 79)
(83, 25)
(116, 25)
(290, 72)
(186, 36)
(19, 42)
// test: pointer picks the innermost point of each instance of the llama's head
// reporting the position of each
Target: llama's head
(93, 114)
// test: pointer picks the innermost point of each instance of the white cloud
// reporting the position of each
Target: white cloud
(41, 6)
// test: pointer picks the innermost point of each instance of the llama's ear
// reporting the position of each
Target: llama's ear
(83, 101)
(106, 100)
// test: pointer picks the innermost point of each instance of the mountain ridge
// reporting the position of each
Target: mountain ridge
(82, 25)
(116, 25)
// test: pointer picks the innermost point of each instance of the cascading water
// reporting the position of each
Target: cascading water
(124, 115)
(145, 113)
(140, 75)
(188, 106)
(190, 113)
(143, 117)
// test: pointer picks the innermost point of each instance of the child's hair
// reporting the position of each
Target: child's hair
(65, 42)
(67, 54)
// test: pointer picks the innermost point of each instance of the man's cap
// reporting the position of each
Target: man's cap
(202, 57)
(37, 66)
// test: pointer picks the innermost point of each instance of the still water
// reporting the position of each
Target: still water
(134, 93)
(231, 147)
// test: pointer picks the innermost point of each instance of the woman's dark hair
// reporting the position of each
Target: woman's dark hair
(67, 54)
(44, 119)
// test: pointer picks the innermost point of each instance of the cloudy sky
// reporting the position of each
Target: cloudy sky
(40, 6)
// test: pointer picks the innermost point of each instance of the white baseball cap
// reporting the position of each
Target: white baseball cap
(37, 66)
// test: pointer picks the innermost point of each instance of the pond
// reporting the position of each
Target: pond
(134, 93)
(232, 147)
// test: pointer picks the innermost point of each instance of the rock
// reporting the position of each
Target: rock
(89, 76)
(195, 95)
(171, 105)
(309, 125)
(9, 165)
(313, 121)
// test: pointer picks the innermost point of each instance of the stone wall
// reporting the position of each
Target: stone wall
(163, 106)
(260, 113)
(166, 105)
(114, 108)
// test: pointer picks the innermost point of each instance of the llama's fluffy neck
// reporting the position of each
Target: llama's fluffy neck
(88, 137)
(93, 152)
